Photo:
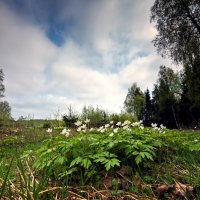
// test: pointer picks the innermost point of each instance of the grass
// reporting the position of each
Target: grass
(80, 171)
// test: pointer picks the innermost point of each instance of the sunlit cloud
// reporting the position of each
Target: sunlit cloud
(89, 55)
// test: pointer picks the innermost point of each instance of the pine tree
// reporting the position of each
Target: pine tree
(147, 109)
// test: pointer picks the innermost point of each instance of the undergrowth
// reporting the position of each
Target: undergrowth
(134, 162)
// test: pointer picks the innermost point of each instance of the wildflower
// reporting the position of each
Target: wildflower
(78, 123)
(91, 129)
(87, 121)
(102, 130)
(67, 134)
(49, 130)
(135, 124)
(83, 126)
(79, 129)
(107, 125)
(111, 122)
(111, 134)
(116, 130)
(162, 127)
(140, 121)
(64, 131)
(195, 140)
(119, 124)
(127, 122)
(141, 127)
(126, 128)
(153, 125)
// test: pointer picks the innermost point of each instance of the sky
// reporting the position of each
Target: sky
(57, 53)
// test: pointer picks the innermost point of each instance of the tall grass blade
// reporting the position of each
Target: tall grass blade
(5, 179)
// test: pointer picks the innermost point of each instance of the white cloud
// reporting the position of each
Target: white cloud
(41, 78)
(25, 52)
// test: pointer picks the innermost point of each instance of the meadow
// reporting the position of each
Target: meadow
(117, 160)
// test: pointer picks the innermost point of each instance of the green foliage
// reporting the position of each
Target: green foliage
(134, 101)
(94, 151)
(2, 189)
(178, 25)
(147, 111)
(5, 109)
(166, 95)
(97, 116)
(152, 156)
(122, 117)
(109, 160)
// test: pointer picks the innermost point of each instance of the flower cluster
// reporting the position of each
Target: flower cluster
(65, 132)
(126, 125)
(82, 126)
(157, 127)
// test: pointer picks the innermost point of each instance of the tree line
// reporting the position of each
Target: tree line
(175, 99)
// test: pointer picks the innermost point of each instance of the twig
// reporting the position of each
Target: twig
(77, 195)
(50, 189)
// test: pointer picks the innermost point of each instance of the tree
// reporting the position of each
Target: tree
(190, 98)
(97, 116)
(166, 95)
(2, 88)
(178, 25)
(5, 109)
(147, 109)
(70, 118)
(134, 101)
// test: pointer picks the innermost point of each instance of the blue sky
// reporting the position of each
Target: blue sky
(57, 53)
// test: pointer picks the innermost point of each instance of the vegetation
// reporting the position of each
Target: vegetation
(123, 159)
(178, 25)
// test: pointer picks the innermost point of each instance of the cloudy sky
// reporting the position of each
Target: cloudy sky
(80, 52)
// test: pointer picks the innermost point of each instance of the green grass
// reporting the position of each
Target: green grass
(45, 165)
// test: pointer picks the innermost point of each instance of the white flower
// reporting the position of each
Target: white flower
(87, 121)
(116, 130)
(154, 125)
(127, 122)
(135, 124)
(119, 124)
(107, 125)
(83, 126)
(49, 130)
(64, 131)
(126, 127)
(111, 122)
(67, 134)
(79, 129)
(91, 129)
(111, 134)
(78, 123)
(102, 130)
(195, 140)
(162, 127)
(141, 127)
